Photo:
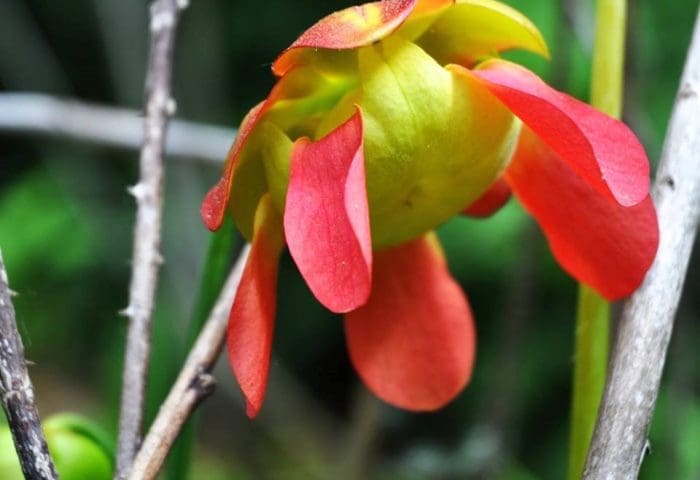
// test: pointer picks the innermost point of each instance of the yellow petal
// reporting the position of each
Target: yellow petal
(473, 29)
(249, 184)
(276, 154)
(305, 93)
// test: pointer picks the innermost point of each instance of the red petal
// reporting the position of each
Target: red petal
(214, 205)
(297, 83)
(490, 202)
(602, 150)
(252, 316)
(326, 218)
(596, 240)
(349, 28)
(413, 343)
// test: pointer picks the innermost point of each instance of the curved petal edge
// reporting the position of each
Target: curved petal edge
(474, 29)
(215, 202)
(349, 28)
(602, 150)
(413, 343)
(491, 201)
(326, 217)
(598, 241)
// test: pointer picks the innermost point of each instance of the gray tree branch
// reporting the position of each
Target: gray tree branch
(46, 115)
(193, 384)
(18, 394)
(147, 231)
(620, 438)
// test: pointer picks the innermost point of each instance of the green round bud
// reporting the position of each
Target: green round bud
(80, 450)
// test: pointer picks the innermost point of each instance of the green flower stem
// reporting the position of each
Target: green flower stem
(609, 56)
(216, 266)
(593, 315)
(590, 365)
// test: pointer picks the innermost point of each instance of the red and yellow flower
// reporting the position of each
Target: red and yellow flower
(386, 120)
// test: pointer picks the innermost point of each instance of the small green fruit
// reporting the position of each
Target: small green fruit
(79, 449)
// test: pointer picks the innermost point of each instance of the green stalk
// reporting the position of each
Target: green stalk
(590, 366)
(593, 314)
(607, 73)
(216, 266)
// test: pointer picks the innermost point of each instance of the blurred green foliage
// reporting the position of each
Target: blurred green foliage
(65, 231)
(80, 450)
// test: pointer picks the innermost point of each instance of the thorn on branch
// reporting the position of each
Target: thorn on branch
(687, 91)
(203, 384)
(645, 451)
(170, 107)
(161, 20)
(138, 191)
(668, 181)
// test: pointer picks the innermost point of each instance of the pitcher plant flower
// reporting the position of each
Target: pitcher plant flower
(387, 119)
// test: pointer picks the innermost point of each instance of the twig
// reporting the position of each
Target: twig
(149, 198)
(18, 394)
(39, 114)
(193, 384)
(620, 438)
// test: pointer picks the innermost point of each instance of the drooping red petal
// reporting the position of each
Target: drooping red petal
(214, 205)
(491, 201)
(602, 150)
(595, 239)
(326, 218)
(252, 317)
(349, 28)
(413, 343)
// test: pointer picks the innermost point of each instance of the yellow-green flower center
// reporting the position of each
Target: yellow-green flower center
(434, 141)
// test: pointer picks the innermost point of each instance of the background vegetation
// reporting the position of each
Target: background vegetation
(65, 232)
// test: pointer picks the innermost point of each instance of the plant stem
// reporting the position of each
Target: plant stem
(607, 75)
(148, 192)
(17, 393)
(193, 384)
(593, 314)
(590, 364)
(620, 440)
(216, 266)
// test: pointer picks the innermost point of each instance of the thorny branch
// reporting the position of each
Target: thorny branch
(193, 384)
(18, 394)
(146, 261)
(620, 439)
